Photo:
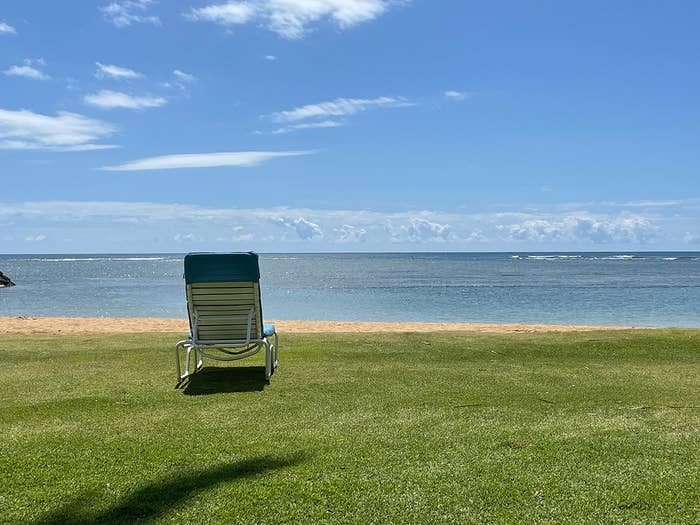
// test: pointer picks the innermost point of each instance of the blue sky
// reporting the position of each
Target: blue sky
(349, 125)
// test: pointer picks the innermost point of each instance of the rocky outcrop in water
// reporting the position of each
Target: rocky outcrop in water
(5, 280)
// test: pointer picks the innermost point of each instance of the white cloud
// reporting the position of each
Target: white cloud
(28, 70)
(474, 236)
(326, 114)
(232, 13)
(456, 95)
(597, 229)
(308, 125)
(270, 57)
(124, 13)
(339, 107)
(7, 29)
(291, 18)
(204, 160)
(24, 129)
(349, 233)
(627, 229)
(107, 99)
(239, 235)
(110, 70)
(186, 237)
(35, 238)
(181, 81)
(419, 229)
(651, 204)
(691, 238)
(182, 76)
(304, 229)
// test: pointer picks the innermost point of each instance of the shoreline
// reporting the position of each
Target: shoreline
(112, 325)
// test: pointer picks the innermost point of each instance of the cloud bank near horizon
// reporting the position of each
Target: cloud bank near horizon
(148, 226)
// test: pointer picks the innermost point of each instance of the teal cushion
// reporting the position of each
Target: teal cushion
(221, 267)
(268, 330)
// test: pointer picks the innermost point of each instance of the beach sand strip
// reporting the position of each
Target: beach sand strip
(118, 325)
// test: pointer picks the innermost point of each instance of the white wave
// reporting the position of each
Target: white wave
(670, 258)
(617, 258)
(141, 259)
(70, 259)
(88, 259)
(545, 257)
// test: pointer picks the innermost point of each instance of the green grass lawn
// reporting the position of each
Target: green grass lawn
(599, 427)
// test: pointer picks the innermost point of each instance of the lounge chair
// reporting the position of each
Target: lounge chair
(223, 305)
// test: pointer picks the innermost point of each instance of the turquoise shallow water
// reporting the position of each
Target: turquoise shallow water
(643, 289)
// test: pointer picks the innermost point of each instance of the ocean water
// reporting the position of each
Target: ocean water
(641, 289)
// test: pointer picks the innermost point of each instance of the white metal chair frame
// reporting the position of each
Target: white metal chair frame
(231, 350)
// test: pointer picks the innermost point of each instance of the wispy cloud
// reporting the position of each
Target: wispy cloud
(180, 80)
(28, 70)
(656, 206)
(231, 13)
(107, 99)
(654, 203)
(7, 29)
(270, 58)
(204, 160)
(124, 13)
(182, 76)
(456, 95)
(291, 19)
(308, 125)
(64, 132)
(330, 114)
(110, 70)
(340, 107)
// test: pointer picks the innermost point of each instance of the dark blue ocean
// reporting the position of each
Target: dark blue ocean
(641, 289)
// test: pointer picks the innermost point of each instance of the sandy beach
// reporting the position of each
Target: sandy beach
(102, 325)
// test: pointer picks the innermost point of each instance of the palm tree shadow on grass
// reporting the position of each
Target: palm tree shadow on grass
(151, 501)
(219, 379)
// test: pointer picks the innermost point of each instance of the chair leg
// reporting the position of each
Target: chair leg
(178, 369)
(268, 360)
(191, 352)
(277, 352)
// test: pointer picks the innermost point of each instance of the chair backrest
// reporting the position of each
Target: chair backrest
(223, 297)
